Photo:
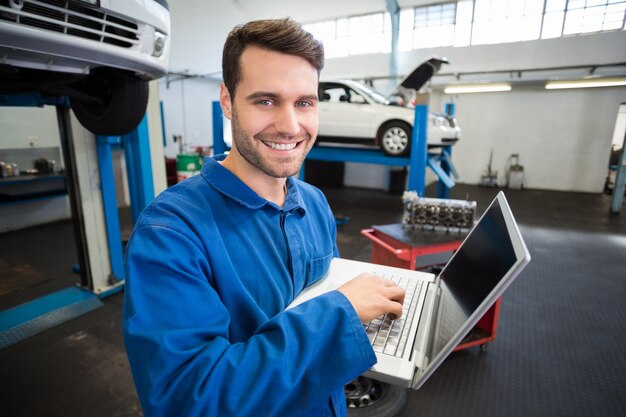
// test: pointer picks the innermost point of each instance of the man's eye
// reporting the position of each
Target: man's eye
(264, 102)
(304, 103)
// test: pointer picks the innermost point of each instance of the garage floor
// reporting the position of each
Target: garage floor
(558, 351)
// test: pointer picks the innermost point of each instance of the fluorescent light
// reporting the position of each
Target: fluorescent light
(600, 82)
(476, 88)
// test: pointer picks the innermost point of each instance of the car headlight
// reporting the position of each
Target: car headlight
(159, 44)
(437, 121)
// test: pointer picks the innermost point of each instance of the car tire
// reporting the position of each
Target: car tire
(394, 138)
(111, 103)
(371, 398)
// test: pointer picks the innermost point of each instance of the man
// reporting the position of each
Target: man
(214, 261)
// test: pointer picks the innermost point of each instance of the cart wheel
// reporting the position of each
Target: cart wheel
(483, 347)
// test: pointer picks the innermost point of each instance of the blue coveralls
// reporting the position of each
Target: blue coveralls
(211, 267)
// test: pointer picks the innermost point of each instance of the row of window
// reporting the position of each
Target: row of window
(469, 22)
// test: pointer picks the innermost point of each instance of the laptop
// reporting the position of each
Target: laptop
(439, 311)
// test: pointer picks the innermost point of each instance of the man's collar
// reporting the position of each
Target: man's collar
(228, 184)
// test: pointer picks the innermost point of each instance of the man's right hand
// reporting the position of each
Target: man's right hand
(372, 296)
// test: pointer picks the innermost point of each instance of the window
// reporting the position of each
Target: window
(498, 21)
(364, 34)
(584, 16)
(434, 26)
(469, 22)
(464, 18)
(553, 19)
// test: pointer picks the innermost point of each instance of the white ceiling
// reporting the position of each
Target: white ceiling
(316, 10)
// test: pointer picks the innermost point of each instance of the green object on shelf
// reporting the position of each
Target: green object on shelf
(188, 162)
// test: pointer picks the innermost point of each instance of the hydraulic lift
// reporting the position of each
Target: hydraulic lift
(91, 190)
(439, 162)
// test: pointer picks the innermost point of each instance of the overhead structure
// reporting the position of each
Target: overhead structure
(394, 13)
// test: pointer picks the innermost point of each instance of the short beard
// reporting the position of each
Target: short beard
(246, 149)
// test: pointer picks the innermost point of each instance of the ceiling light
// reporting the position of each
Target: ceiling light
(476, 88)
(600, 82)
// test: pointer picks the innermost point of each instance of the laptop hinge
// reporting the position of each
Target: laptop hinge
(422, 347)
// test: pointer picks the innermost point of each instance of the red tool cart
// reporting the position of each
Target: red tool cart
(395, 245)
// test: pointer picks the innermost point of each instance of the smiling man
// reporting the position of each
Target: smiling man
(214, 261)
(274, 119)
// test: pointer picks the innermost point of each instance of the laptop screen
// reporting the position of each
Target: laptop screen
(478, 266)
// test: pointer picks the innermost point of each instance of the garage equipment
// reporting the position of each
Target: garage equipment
(514, 173)
(188, 165)
(437, 213)
(619, 134)
(396, 245)
(490, 177)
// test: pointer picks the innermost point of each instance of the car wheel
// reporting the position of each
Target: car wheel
(110, 103)
(368, 397)
(395, 139)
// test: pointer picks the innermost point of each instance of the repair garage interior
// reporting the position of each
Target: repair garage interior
(562, 323)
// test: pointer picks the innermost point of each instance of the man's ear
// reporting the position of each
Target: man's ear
(225, 101)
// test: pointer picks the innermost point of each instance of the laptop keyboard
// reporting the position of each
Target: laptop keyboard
(390, 336)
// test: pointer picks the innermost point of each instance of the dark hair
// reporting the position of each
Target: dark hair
(280, 35)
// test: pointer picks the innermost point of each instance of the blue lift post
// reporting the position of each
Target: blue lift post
(139, 165)
(105, 145)
(219, 146)
(442, 165)
(141, 189)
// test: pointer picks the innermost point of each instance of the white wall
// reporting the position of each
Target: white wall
(187, 111)
(199, 29)
(563, 137)
(19, 131)
(35, 128)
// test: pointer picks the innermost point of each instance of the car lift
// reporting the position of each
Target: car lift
(418, 160)
(91, 191)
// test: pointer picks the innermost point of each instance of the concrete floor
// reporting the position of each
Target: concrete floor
(535, 367)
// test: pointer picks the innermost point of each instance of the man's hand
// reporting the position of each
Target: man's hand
(372, 296)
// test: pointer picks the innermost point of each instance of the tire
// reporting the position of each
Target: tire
(366, 397)
(111, 102)
(395, 138)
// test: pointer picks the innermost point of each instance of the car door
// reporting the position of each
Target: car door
(344, 112)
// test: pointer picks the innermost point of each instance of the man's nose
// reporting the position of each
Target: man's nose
(287, 121)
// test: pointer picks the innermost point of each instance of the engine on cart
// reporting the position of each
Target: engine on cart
(437, 213)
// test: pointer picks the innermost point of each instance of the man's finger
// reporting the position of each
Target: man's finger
(395, 310)
(395, 293)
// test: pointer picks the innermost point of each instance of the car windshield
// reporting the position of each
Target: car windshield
(373, 94)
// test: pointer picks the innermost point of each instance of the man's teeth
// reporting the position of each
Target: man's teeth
(281, 146)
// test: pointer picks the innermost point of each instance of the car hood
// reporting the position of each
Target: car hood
(423, 73)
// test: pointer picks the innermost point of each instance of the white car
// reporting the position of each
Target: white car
(351, 112)
(99, 53)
